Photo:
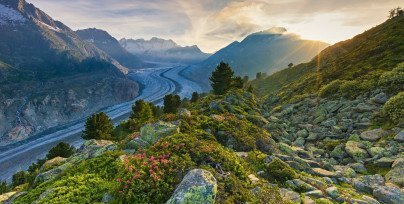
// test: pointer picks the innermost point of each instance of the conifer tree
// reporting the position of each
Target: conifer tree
(61, 150)
(195, 97)
(98, 126)
(222, 78)
(171, 103)
(142, 113)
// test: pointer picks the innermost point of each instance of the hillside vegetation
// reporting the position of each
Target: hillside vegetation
(360, 62)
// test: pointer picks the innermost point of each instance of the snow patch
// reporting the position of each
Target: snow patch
(10, 16)
(56, 29)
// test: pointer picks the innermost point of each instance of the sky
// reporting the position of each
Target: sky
(213, 24)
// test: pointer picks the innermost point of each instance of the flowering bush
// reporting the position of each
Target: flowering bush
(147, 178)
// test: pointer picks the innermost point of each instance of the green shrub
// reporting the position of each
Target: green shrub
(350, 89)
(280, 171)
(394, 108)
(330, 89)
(393, 80)
(86, 188)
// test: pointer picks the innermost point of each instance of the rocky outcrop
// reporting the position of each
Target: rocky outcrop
(89, 149)
(151, 133)
(198, 186)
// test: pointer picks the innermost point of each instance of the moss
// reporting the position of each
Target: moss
(280, 171)
(323, 201)
(374, 169)
(330, 89)
(394, 108)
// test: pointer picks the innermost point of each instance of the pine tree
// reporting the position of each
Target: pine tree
(98, 126)
(171, 103)
(142, 113)
(222, 78)
(61, 150)
(195, 97)
(238, 83)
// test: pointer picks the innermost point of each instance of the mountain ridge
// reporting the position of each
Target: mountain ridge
(158, 49)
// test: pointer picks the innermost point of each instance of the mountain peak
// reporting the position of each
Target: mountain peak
(272, 31)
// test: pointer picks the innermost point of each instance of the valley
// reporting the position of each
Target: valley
(155, 84)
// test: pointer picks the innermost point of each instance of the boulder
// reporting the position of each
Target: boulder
(57, 161)
(198, 186)
(363, 107)
(253, 178)
(289, 195)
(380, 98)
(384, 162)
(297, 184)
(359, 168)
(373, 135)
(332, 192)
(339, 152)
(389, 195)
(315, 194)
(184, 113)
(323, 173)
(395, 175)
(302, 133)
(368, 183)
(150, 133)
(370, 200)
(399, 137)
(376, 151)
(308, 200)
(356, 150)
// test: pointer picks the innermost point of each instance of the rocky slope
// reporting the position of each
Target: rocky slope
(160, 50)
(105, 42)
(49, 76)
(267, 51)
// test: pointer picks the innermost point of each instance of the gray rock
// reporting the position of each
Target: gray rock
(297, 184)
(308, 200)
(370, 200)
(377, 151)
(198, 186)
(324, 173)
(368, 183)
(332, 192)
(389, 195)
(363, 107)
(380, 98)
(302, 133)
(373, 135)
(299, 142)
(400, 137)
(384, 162)
(359, 168)
(289, 195)
(329, 123)
(315, 194)
(184, 113)
(339, 152)
(312, 137)
(395, 175)
(356, 150)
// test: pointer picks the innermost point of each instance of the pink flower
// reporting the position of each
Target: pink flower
(119, 180)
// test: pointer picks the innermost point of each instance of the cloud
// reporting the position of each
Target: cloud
(212, 24)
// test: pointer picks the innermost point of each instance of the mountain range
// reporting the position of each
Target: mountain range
(105, 42)
(161, 50)
(49, 75)
(266, 51)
